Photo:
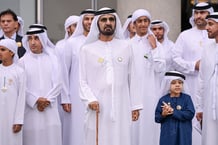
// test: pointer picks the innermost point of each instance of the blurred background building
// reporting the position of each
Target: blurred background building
(53, 13)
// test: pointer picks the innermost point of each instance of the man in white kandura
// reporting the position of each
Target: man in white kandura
(42, 122)
(161, 29)
(108, 82)
(207, 96)
(64, 99)
(72, 47)
(187, 55)
(151, 64)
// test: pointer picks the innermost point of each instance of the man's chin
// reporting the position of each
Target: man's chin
(108, 33)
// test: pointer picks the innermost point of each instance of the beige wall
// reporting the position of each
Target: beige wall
(167, 10)
(56, 11)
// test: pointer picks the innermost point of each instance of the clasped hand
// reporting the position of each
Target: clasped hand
(166, 109)
(42, 103)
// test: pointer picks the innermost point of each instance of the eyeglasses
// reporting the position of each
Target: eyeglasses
(111, 19)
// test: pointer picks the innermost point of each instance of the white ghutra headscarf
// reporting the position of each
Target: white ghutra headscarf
(162, 24)
(125, 26)
(70, 21)
(139, 13)
(202, 6)
(94, 31)
(79, 28)
(43, 27)
(214, 16)
(12, 46)
(168, 78)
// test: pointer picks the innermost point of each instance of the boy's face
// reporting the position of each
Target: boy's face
(5, 54)
(142, 25)
(176, 87)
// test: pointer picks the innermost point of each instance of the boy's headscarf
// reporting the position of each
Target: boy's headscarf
(12, 46)
(168, 78)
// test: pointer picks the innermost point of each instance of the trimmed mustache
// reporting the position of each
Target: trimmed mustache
(108, 26)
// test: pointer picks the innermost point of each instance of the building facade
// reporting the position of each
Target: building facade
(53, 13)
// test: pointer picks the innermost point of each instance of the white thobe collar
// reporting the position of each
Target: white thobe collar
(105, 42)
(7, 67)
(36, 55)
(138, 38)
(203, 32)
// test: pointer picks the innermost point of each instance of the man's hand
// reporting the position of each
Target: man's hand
(94, 106)
(42, 103)
(152, 41)
(199, 116)
(66, 107)
(135, 115)
(197, 65)
(166, 109)
(17, 128)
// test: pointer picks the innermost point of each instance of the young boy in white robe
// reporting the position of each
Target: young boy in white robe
(12, 94)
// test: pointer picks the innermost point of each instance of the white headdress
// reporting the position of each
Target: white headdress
(139, 13)
(69, 21)
(169, 76)
(161, 24)
(202, 6)
(79, 28)
(94, 31)
(42, 37)
(11, 45)
(213, 16)
(125, 26)
(40, 26)
(21, 22)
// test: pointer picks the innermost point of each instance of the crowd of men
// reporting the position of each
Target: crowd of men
(101, 83)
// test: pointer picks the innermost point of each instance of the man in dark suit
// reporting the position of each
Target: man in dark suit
(8, 24)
